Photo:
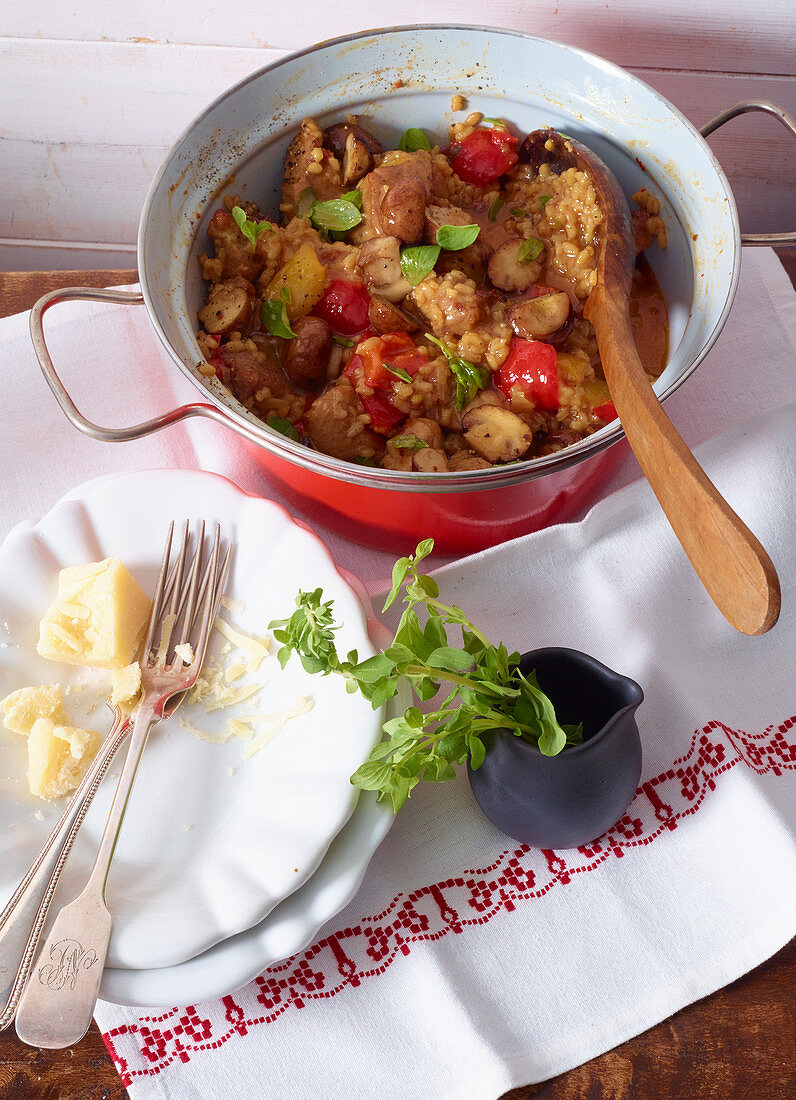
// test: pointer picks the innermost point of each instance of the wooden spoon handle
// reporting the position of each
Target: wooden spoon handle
(736, 571)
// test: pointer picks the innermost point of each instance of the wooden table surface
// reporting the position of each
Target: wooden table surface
(741, 1042)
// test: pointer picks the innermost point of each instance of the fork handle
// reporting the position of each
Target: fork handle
(23, 918)
(57, 1003)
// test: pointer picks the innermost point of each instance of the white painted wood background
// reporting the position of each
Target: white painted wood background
(92, 94)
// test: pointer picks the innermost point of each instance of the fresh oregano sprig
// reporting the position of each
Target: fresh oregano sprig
(485, 688)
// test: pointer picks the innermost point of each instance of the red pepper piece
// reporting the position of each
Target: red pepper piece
(484, 156)
(530, 368)
(344, 306)
(605, 412)
(383, 414)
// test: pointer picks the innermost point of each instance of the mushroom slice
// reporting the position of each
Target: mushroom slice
(386, 317)
(228, 308)
(497, 434)
(429, 460)
(335, 138)
(380, 264)
(468, 460)
(357, 158)
(508, 272)
(542, 317)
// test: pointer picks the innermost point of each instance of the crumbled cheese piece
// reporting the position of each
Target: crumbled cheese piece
(126, 684)
(39, 815)
(231, 771)
(22, 708)
(98, 617)
(274, 723)
(233, 605)
(185, 652)
(255, 647)
(58, 757)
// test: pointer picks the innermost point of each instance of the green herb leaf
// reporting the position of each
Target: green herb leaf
(286, 294)
(251, 230)
(354, 197)
(275, 319)
(338, 215)
(455, 237)
(529, 250)
(413, 139)
(284, 427)
(469, 377)
(544, 200)
(517, 212)
(362, 461)
(408, 442)
(487, 691)
(399, 372)
(418, 261)
(344, 342)
(495, 208)
(500, 123)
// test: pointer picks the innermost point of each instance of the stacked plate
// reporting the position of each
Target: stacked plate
(227, 862)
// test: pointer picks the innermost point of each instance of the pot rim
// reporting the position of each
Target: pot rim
(246, 425)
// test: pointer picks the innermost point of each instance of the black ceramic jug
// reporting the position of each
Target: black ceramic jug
(566, 800)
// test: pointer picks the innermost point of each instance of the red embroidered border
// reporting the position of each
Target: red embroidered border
(347, 957)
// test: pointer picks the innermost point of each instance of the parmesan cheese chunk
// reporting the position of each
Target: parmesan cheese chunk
(58, 757)
(21, 708)
(97, 619)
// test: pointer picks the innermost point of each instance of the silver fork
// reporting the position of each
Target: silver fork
(57, 1003)
(25, 913)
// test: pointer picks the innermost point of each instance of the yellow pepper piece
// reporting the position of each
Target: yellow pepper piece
(304, 277)
(596, 393)
(573, 367)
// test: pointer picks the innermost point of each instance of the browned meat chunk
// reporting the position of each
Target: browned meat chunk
(301, 169)
(334, 424)
(229, 307)
(234, 254)
(307, 356)
(386, 317)
(251, 371)
(376, 185)
(403, 210)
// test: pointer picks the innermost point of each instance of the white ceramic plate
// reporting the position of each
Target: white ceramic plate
(211, 842)
(293, 924)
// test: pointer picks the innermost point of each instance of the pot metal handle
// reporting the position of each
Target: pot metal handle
(88, 427)
(777, 240)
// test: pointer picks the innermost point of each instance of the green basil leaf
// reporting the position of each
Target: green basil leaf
(517, 212)
(399, 372)
(275, 319)
(413, 139)
(544, 200)
(251, 230)
(344, 342)
(455, 237)
(305, 203)
(494, 209)
(418, 261)
(284, 427)
(354, 197)
(372, 775)
(408, 443)
(450, 659)
(338, 215)
(529, 250)
(469, 377)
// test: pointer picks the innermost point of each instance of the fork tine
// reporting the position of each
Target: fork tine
(209, 602)
(193, 583)
(177, 590)
(157, 599)
(167, 621)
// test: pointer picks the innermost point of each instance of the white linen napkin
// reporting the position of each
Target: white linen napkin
(468, 964)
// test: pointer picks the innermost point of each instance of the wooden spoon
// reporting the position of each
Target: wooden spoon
(736, 571)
